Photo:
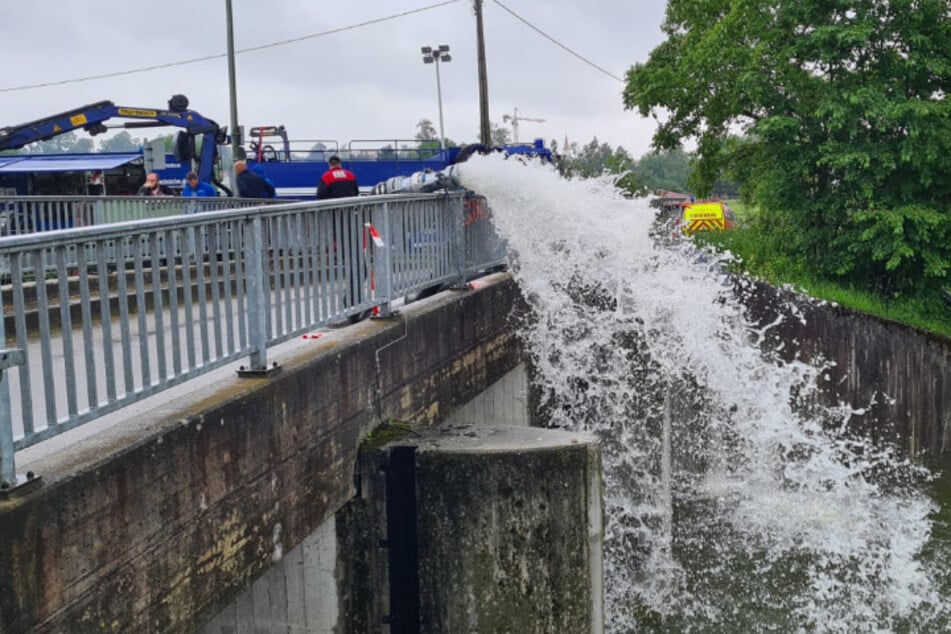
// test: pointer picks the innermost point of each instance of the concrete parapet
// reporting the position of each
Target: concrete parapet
(155, 524)
(475, 529)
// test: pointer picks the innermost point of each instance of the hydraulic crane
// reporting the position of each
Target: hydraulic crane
(90, 118)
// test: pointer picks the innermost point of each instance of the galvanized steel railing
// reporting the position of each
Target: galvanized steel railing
(97, 318)
(31, 214)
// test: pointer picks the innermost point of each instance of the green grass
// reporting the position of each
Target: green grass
(928, 311)
(743, 211)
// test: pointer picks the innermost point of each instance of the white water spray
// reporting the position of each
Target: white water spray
(733, 502)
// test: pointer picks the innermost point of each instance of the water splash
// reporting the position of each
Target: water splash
(734, 502)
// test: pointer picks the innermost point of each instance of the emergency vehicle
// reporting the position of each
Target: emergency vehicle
(706, 216)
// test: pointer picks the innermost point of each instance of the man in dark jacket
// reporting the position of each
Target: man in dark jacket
(337, 182)
(152, 187)
(250, 185)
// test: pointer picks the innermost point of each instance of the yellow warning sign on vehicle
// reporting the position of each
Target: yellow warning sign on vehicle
(704, 217)
(137, 112)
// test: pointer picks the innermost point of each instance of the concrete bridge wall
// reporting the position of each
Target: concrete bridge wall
(301, 592)
(156, 525)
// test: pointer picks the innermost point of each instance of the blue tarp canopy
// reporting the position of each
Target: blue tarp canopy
(63, 162)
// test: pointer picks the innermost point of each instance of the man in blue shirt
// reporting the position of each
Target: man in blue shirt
(194, 189)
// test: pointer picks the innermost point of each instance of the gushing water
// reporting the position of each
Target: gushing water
(734, 503)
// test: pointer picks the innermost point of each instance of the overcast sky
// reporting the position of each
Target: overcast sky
(367, 82)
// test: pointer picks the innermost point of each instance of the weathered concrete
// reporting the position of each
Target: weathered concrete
(298, 595)
(476, 529)
(901, 375)
(155, 526)
(504, 403)
(300, 592)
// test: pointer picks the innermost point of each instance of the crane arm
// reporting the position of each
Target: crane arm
(91, 117)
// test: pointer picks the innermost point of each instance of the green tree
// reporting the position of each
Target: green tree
(665, 170)
(844, 138)
(121, 142)
(623, 165)
(500, 134)
(592, 159)
(425, 131)
(588, 160)
(598, 159)
(60, 144)
(168, 140)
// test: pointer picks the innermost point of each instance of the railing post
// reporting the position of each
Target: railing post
(98, 213)
(386, 310)
(257, 285)
(457, 218)
(9, 358)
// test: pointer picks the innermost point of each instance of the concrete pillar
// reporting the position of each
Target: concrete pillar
(481, 529)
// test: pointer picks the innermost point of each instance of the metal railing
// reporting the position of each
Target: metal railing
(97, 318)
(32, 214)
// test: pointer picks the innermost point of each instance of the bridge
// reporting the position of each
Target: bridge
(104, 315)
(211, 453)
(161, 515)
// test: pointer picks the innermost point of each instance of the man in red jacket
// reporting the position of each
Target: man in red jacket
(337, 182)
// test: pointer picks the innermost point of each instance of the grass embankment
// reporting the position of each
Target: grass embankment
(928, 311)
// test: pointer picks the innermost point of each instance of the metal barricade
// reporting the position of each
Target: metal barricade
(111, 314)
(32, 214)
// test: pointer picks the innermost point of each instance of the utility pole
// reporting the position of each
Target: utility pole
(236, 151)
(485, 129)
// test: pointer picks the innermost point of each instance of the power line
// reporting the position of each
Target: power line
(220, 55)
(557, 43)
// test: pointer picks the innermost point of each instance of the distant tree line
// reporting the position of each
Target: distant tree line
(653, 172)
(70, 142)
(658, 170)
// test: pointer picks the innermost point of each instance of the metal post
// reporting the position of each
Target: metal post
(258, 289)
(457, 216)
(435, 55)
(97, 213)
(386, 309)
(9, 358)
(8, 469)
(236, 150)
(442, 135)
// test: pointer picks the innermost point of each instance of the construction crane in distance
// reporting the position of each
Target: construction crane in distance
(514, 118)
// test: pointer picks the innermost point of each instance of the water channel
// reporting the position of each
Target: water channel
(734, 503)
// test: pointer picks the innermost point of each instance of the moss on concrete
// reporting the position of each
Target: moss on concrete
(387, 432)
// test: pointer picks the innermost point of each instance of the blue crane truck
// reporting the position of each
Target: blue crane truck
(294, 167)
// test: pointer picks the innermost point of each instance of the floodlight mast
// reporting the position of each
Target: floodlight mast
(434, 55)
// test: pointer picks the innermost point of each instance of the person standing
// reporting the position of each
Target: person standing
(337, 182)
(250, 185)
(153, 187)
(195, 189)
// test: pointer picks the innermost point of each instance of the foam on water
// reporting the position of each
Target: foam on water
(733, 501)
